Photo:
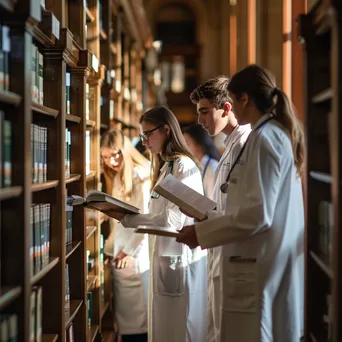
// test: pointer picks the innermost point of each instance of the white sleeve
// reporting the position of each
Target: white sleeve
(169, 215)
(255, 213)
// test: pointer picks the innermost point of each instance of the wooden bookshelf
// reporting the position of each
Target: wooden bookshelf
(105, 54)
(320, 31)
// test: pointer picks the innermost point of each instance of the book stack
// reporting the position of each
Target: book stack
(8, 328)
(68, 211)
(40, 236)
(36, 314)
(39, 138)
(37, 68)
(67, 92)
(5, 48)
(67, 152)
(5, 151)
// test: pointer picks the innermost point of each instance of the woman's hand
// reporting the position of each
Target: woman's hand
(122, 260)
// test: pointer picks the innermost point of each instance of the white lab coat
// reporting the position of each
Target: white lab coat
(261, 234)
(130, 284)
(208, 174)
(233, 144)
(178, 281)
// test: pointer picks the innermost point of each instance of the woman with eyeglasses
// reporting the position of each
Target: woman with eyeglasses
(178, 278)
(261, 231)
(126, 175)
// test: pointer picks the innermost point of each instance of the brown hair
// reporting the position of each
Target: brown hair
(115, 140)
(174, 146)
(260, 85)
(214, 90)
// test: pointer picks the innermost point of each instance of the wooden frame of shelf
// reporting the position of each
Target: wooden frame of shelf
(320, 30)
(65, 48)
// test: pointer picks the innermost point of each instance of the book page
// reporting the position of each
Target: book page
(159, 231)
(186, 198)
(75, 200)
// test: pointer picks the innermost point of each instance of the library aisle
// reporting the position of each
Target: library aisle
(69, 70)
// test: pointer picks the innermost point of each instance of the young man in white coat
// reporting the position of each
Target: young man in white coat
(261, 232)
(215, 115)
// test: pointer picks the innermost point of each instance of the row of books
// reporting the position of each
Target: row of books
(5, 151)
(5, 48)
(88, 151)
(36, 314)
(37, 76)
(68, 211)
(8, 328)
(39, 138)
(67, 153)
(40, 236)
(326, 223)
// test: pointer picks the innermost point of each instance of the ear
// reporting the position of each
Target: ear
(227, 107)
(167, 129)
(244, 99)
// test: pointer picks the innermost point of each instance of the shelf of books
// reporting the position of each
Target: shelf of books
(66, 69)
(320, 31)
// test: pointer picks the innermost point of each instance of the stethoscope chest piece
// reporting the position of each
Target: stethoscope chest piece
(224, 187)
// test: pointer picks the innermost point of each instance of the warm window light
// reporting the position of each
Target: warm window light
(140, 106)
(134, 95)
(178, 75)
(157, 77)
(127, 94)
(111, 109)
(118, 86)
(95, 63)
(112, 73)
(157, 44)
(232, 2)
(165, 75)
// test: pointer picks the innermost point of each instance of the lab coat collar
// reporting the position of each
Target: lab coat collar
(226, 139)
(261, 120)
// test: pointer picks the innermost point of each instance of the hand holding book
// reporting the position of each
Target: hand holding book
(187, 235)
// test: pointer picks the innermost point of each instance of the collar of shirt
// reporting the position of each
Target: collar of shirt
(261, 120)
(226, 139)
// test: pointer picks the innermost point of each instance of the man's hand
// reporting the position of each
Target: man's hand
(188, 236)
(118, 215)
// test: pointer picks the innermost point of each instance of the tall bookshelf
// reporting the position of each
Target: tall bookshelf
(321, 32)
(75, 70)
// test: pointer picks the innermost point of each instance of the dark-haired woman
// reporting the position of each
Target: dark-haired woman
(261, 233)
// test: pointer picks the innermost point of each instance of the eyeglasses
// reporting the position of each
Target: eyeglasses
(145, 135)
(115, 156)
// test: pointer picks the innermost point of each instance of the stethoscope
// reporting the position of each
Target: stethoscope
(224, 186)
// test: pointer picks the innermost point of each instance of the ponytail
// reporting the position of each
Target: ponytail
(286, 115)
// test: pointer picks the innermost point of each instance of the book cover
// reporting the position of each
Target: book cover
(186, 198)
(98, 200)
(159, 231)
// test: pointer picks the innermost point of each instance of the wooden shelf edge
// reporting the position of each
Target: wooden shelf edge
(90, 123)
(90, 18)
(7, 5)
(49, 338)
(72, 118)
(38, 108)
(322, 177)
(103, 34)
(10, 192)
(104, 308)
(323, 265)
(45, 270)
(90, 282)
(93, 330)
(75, 305)
(71, 248)
(44, 186)
(73, 178)
(325, 95)
(8, 295)
(313, 338)
(10, 98)
(90, 231)
(104, 126)
(91, 175)
(108, 335)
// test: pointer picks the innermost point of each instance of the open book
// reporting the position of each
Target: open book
(98, 200)
(189, 200)
(160, 231)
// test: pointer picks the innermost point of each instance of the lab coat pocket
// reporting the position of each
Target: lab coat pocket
(169, 275)
(239, 284)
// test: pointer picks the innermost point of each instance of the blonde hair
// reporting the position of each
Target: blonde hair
(174, 146)
(115, 140)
